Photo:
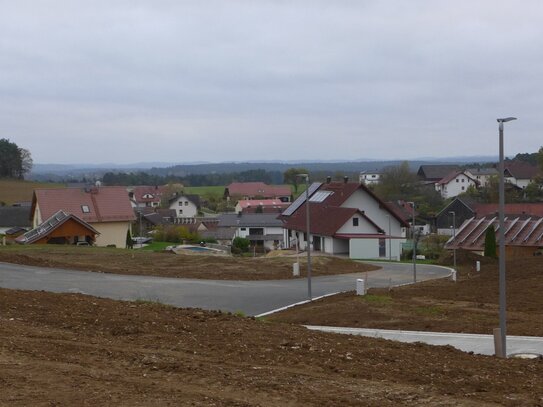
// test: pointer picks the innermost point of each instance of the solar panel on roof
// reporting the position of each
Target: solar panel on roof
(301, 199)
(320, 196)
(45, 227)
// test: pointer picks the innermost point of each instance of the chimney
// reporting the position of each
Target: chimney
(328, 179)
(345, 179)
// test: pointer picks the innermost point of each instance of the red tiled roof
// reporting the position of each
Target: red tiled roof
(155, 191)
(535, 209)
(453, 175)
(257, 189)
(105, 204)
(325, 220)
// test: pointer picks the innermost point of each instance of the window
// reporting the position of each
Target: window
(457, 180)
(180, 211)
(463, 188)
(463, 179)
(85, 208)
(186, 203)
(180, 203)
(355, 221)
(243, 229)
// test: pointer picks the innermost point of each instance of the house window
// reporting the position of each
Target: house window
(382, 248)
(186, 203)
(85, 208)
(243, 229)
(180, 203)
(180, 211)
(457, 180)
(463, 180)
(463, 188)
(355, 221)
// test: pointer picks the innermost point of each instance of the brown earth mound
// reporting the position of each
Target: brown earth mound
(167, 264)
(470, 305)
(62, 349)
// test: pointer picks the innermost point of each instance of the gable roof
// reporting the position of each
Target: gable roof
(148, 193)
(520, 170)
(336, 194)
(14, 216)
(455, 174)
(195, 199)
(105, 204)
(257, 189)
(49, 225)
(435, 172)
(485, 171)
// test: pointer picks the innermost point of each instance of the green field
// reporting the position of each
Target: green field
(12, 191)
(205, 190)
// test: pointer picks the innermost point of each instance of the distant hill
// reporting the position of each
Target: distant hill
(66, 171)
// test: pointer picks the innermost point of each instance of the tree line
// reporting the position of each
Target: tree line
(15, 161)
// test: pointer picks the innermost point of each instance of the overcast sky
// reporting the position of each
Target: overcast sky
(233, 80)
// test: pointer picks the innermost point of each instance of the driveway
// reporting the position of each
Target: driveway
(249, 297)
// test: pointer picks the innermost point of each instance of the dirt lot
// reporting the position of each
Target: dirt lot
(65, 349)
(470, 305)
(167, 264)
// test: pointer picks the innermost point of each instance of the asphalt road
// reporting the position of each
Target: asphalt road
(249, 297)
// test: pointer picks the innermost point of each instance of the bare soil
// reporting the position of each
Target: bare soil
(469, 305)
(168, 264)
(67, 349)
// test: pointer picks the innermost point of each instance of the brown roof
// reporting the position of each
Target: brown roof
(535, 209)
(155, 191)
(105, 204)
(257, 189)
(520, 170)
(328, 216)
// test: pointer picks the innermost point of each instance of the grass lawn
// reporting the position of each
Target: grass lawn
(205, 190)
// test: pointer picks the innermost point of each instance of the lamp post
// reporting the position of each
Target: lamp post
(453, 213)
(389, 240)
(503, 326)
(414, 245)
(308, 240)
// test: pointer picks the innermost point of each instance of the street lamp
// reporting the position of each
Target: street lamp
(501, 206)
(308, 240)
(414, 245)
(453, 213)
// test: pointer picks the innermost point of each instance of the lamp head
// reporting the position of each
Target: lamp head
(506, 119)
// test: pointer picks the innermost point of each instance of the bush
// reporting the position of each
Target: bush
(490, 242)
(175, 234)
(241, 243)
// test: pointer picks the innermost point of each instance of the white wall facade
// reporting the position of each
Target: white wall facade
(455, 187)
(184, 207)
(369, 248)
(111, 233)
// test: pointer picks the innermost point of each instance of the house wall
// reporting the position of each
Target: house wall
(111, 233)
(362, 200)
(189, 209)
(364, 226)
(364, 248)
(36, 217)
(71, 230)
(455, 187)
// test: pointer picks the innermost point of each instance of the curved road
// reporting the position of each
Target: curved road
(250, 297)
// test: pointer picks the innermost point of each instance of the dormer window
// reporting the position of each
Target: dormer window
(85, 208)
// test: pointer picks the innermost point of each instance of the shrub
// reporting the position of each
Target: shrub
(241, 243)
(490, 242)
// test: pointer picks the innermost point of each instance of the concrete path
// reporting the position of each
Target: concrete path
(250, 297)
(481, 344)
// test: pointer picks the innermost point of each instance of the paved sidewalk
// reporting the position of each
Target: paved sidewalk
(481, 344)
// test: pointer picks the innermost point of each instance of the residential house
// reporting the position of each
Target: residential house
(345, 218)
(61, 228)
(185, 206)
(14, 216)
(523, 235)
(370, 177)
(145, 196)
(257, 190)
(263, 230)
(106, 209)
(482, 175)
(434, 173)
(454, 184)
(519, 173)
(261, 206)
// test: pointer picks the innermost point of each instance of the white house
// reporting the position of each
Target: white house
(519, 173)
(369, 177)
(345, 218)
(185, 206)
(482, 175)
(262, 229)
(455, 184)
